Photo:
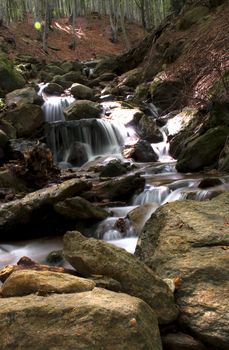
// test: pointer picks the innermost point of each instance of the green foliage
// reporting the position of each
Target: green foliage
(2, 103)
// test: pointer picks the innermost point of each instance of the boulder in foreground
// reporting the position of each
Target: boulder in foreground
(190, 240)
(91, 256)
(97, 319)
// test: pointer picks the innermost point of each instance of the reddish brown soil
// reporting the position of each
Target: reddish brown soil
(93, 39)
(205, 56)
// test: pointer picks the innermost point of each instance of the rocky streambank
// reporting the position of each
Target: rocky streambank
(178, 279)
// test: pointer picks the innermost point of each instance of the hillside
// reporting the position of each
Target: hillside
(93, 39)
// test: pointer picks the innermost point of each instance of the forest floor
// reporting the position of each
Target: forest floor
(203, 59)
(93, 39)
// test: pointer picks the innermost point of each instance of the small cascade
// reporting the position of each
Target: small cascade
(54, 106)
(162, 148)
(114, 228)
(152, 194)
(90, 137)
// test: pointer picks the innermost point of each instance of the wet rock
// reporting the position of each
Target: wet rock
(26, 282)
(91, 256)
(148, 130)
(113, 168)
(78, 153)
(53, 89)
(22, 97)
(87, 319)
(77, 208)
(82, 92)
(203, 150)
(140, 215)
(83, 109)
(116, 189)
(142, 151)
(189, 239)
(10, 78)
(55, 258)
(210, 182)
(26, 119)
(181, 341)
(21, 212)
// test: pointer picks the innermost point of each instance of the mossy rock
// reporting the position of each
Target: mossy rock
(10, 78)
(108, 64)
(82, 109)
(82, 92)
(26, 119)
(166, 93)
(192, 16)
(58, 79)
(53, 69)
(75, 77)
(203, 151)
(132, 78)
(141, 92)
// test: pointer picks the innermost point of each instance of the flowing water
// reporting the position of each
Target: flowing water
(104, 137)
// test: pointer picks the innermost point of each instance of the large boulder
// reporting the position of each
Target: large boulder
(189, 239)
(81, 92)
(10, 78)
(148, 130)
(26, 119)
(91, 256)
(53, 89)
(83, 109)
(77, 208)
(120, 188)
(69, 66)
(142, 152)
(24, 282)
(34, 206)
(21, 97)
(75, 77)
(204, 150)
(91, 320)
(114, 168)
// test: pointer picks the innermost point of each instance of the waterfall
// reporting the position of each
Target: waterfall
(79, 141)
(152, 194)
(54, 106)
(162, 148)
